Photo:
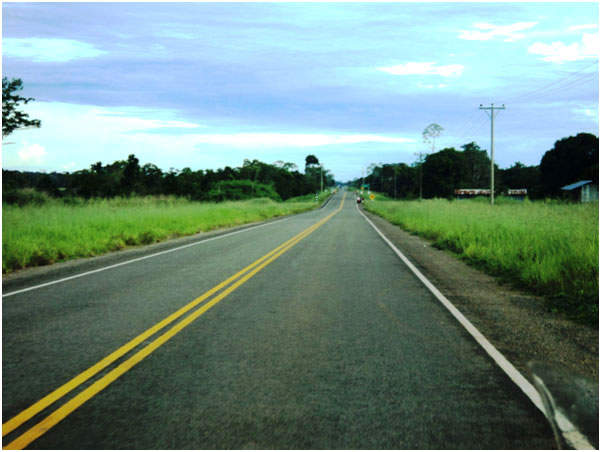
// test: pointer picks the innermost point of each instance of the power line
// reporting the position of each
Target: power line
(461, 131)
(566, 83)
(542, 88)
(558, 89)
(475, 128)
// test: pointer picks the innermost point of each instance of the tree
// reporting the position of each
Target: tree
(571, 159)
(313, 172)
(522, 176)
(12, 117)
(131, 175)
(152, 179)
(444, 171)
(311, 160)
(430, 134)
(290, 167)
(477, 167)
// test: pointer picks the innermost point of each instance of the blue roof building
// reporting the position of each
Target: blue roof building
(586, 189)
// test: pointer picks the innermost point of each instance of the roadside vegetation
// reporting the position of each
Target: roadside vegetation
(279, 181)
(550, 248)
(45, 230)
(439, 174)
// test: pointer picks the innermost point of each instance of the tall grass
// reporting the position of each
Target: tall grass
(552, 248)
(65, 229)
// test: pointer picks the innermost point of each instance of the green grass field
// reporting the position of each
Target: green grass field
(35, 235)
(550, 248)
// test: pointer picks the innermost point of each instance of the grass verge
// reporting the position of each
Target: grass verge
(59, 230)
(549, 248)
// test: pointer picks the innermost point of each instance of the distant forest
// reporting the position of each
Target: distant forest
(279, 181)
(572, 159)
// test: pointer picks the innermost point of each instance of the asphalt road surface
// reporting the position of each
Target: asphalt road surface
(328, 342)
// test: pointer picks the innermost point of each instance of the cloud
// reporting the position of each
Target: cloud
(45, 50)
(451, 70)
(583, 27)
(292, 139)
(486, 31)
(32, 154)
(77, 135)
(559, 52)
(133, 120)
(588, 113)
(431, 86)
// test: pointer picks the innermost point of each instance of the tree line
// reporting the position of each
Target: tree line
(279, 181)
(571, 159)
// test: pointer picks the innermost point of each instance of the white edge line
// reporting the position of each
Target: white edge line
(515, 375)
(50, 283)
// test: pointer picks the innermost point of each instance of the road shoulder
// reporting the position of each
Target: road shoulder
(518, 324)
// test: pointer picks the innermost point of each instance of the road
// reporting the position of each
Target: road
(328, 342)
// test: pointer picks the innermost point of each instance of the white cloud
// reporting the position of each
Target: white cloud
(559, 52)
(136, 119)
(431, 86)
(583, 27)
(351, 139)
(451, 70)
(32, 154)
(485, 31)
(75, 136)
(48, 49)
(589, 113)
(132, 122)
(140, 123)
(271, 139)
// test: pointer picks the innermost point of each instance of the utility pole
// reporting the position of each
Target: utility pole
(394, 179)
(492, 114)
(420, 154)
(362, 177)
(321, 173)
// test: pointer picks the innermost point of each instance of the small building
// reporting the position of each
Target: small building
(517, 193)
(583, 191)
(467, 193)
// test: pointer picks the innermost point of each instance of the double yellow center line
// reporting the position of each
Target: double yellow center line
(226, 287)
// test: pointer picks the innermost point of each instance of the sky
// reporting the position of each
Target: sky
(207, 85)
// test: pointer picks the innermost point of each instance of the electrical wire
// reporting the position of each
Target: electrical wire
(472, 131)
(544, 90)
(460, 131)
(471, 126)
(559, 89)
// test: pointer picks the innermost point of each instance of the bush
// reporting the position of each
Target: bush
(25, 196)
(237, 190)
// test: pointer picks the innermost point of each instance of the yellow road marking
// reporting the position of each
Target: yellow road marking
(63, 411)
